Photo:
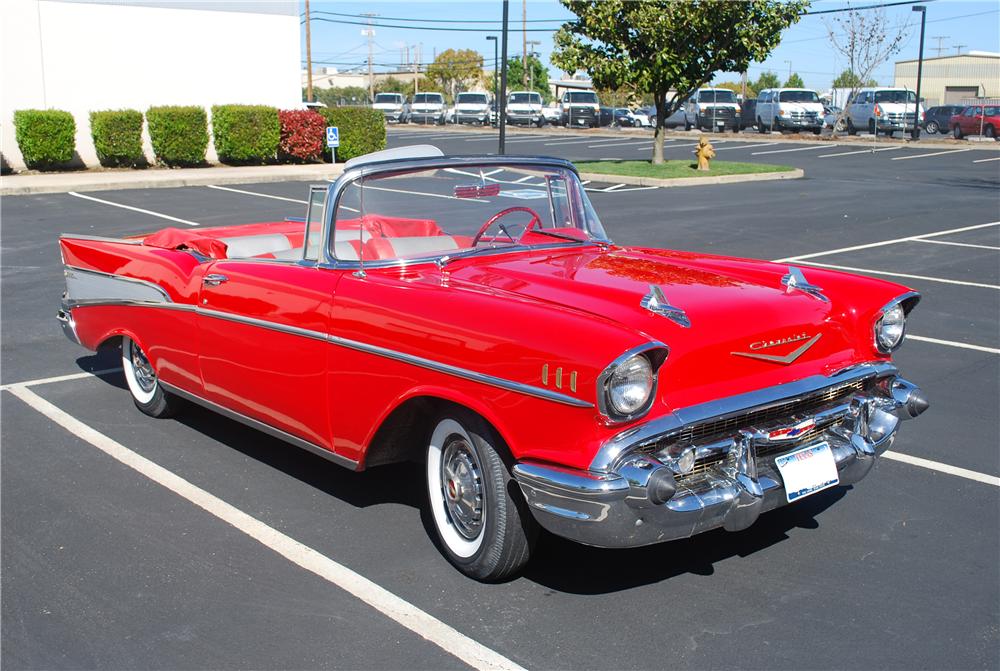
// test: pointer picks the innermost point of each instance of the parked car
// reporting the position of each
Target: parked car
(789, 109)
(748, 113)
(632, 119)
(472, 107)
(883, 110)
(579, 108)
(533, 372)
(551, 113)
(427, 108)
(675, 120)
(525, 107)
(977, 120)
(391, 105)
(712, 109)
(938, 119)
(605, 116)
(830, 115)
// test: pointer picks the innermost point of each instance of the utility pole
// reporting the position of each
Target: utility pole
(920, 70)
(309, 58)
(416, 69)
(369, 32)
(502, 100)
(789, 70)
(940, 38)
(743, 82)
(524, 51)
(531, 71)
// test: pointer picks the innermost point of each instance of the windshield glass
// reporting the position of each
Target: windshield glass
(428, 98)
(895, 97)
(471, 98)
(583, 97)
(393, 98)
(717, 96)
(525, 98)
(420, 214)
(798, 97)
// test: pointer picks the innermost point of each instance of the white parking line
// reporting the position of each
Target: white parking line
(957, 244)
(395, 608)
(952, 343)
(984, 160)
(59, 378)
(785, 151)
(886, 242)
(616, 144)
(908, 276)
(254, 193)
(750, 146)
(574, 141)
(134, 209)
(862, 151)
(944, 468)
(936, 153)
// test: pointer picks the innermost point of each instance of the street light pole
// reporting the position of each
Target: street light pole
(915, 134)
(502, 102)
(496, 74)
(309, 58)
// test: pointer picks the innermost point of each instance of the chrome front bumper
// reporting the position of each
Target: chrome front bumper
(640, 498)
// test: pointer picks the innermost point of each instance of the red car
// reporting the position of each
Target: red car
(470, 315)
(976, 120)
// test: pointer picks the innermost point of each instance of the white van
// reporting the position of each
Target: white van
(712, 109)
(471, 107)
(525, 107)
(789, 109)
(427, 108)
(580, 108)
(390, 105)
(883, 109)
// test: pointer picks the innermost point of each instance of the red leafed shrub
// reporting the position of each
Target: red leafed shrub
(302, 134)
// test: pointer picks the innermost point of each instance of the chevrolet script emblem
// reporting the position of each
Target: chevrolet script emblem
(788, 358)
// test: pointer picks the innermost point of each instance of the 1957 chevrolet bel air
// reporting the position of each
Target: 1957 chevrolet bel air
(469, 314)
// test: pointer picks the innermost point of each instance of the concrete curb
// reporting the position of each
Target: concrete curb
(19, 185)
(693, 181)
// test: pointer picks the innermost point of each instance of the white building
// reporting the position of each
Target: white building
(85, 55)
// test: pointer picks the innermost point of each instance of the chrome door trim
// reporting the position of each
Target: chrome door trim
(263, 427)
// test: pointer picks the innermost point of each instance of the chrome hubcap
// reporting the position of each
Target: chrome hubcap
(145, 376)
(462, 487)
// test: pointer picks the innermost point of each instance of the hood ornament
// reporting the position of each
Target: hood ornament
(788, 358)
(658, 304)
(796, 280)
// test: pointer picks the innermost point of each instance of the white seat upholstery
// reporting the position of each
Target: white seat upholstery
(345, 251)
(251, 245)
(421, 244)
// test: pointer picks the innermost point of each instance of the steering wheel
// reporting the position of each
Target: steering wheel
(535, 219)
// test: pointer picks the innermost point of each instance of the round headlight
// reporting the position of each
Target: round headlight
(889, 328)
(630, 385)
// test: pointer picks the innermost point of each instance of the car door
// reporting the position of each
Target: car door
(263, 325)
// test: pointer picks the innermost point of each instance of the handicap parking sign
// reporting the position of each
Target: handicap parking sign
(332, 136)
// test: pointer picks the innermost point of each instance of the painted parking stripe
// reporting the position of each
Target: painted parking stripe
(573, 141)
(985, 160)
(785, 151)
(395, 608)
(952, 343)
(943, 468)
(886, 242)
(750, 146)
(906, 275)
(254, 193)
(59, 378)
(618, 142)
(936, 153)
(958, 244)
(861, 151)
(134, 209)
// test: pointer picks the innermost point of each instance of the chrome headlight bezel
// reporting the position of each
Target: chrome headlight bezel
(655, 353)
(904, 303)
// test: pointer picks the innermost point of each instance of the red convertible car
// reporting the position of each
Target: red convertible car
(469, 314)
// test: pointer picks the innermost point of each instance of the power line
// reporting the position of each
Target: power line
(396, 18)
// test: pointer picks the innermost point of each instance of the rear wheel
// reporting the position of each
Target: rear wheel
(687, 124)
(872, 128)
(957, 131)
(760, 126)
(990, 132)
(484, 531)
(851, 130)
(143, 383)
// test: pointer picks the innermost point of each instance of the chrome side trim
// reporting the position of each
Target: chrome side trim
(98, 302)
(83, 284)
(639, 436)
(263, 427)
(98, 238)
(262, 323)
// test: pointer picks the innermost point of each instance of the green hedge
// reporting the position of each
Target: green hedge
(362, 130)
(46, 138)
(179, 134)
(246, 133)
(117, 137)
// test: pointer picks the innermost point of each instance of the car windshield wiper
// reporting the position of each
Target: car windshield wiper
(561, 236)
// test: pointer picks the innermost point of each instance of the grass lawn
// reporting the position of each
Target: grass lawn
(675, 169)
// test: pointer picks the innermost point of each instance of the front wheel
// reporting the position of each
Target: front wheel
(933, 127)
(484, 531)
(990, 132)
(956, 131)
(143, 383)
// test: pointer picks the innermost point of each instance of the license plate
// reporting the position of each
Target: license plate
(807, 471)
(720, 123)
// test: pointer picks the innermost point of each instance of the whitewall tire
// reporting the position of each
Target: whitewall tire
(147, 393)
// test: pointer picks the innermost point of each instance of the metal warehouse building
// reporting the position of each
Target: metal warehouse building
(953, 79)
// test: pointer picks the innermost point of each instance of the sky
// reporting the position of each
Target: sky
(805, 47)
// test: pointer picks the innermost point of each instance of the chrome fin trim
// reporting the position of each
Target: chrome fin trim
(88, 285)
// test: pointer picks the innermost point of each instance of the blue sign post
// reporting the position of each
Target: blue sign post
(333, 140)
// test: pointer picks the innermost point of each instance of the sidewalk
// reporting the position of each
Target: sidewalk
(151, 178)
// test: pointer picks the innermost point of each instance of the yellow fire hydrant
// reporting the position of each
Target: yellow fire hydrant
(704, 152)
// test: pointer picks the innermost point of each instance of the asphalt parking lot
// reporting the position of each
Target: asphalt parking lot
(105, 566)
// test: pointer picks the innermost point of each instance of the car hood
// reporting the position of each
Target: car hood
(804, 107)
(735, 307)
(387, 106)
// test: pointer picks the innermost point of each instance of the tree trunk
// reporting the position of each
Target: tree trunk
(660, 100)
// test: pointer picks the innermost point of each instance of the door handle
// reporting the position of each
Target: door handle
(214, 279)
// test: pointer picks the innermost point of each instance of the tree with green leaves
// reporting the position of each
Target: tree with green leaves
(394, 85)
(737, 87)
(454, 69)
(538, 75)
(767, 80)
(848, 80)
(335, 96)
(663, 46)
(795, 82)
